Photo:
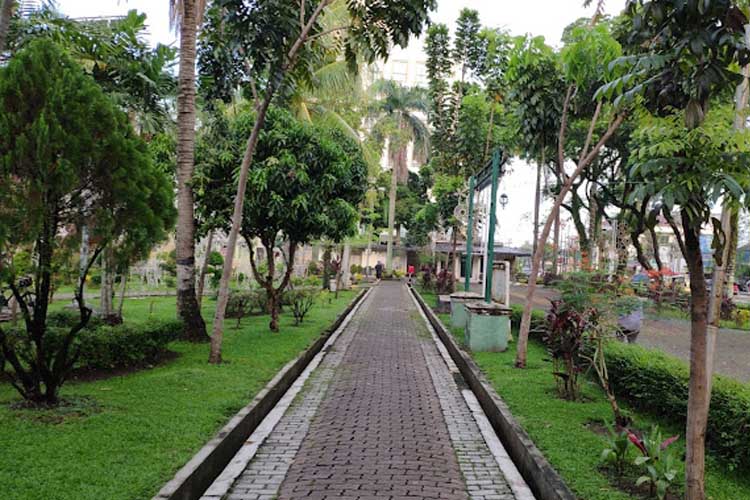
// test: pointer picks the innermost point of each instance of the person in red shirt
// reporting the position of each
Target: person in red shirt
(410, 272)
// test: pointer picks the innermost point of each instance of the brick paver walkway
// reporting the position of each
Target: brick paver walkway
(371, 424)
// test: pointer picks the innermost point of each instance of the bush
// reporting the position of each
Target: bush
(104, 347)
(242, 303)
(538, 321)
(125, 346)
(658, 383)
(301, 301)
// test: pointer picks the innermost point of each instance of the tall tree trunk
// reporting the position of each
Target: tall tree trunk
(391, 218)
(239, 199)
(706, 318)
(488, 141)
(732, 257)
(106, 292)
(84, 257)
(699, 385)
(204, 268)
(586, 159)
(6, 12)
(188, 309)
(123, 291)
(622, 247)
(556, 246)
(655, 245)
(537, 203)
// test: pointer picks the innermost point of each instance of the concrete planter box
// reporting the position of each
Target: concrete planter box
(458, 313)
(487, 327)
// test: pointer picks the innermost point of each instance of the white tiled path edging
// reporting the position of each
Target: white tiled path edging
(282, 431)
(488, 470)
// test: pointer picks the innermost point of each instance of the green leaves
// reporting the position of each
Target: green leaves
(304, 182)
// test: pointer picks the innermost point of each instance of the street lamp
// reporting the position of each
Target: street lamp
(503, 200)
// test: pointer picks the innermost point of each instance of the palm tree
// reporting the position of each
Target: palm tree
(397, 122)
(185, 17)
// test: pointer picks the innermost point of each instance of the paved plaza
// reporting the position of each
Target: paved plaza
(382, 416)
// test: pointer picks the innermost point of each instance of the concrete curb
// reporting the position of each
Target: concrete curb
(194, 478)
(543, 480)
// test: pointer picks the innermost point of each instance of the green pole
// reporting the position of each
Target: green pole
(469, 242)
(491, 233)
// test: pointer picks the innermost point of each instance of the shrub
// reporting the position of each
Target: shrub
(658, 461)
(240, 304)
(741, 317)
(658, 383)
(564, 340)
(125, 346)
(301, 301)
(105, 347)
(538, 321)
(313, 269)
(69, 318)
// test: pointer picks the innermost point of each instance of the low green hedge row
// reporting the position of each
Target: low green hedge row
(658, 383)
(538, 320)
(125, 346)
(104, 347)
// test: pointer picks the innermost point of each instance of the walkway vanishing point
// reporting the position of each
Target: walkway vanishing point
(383, 415)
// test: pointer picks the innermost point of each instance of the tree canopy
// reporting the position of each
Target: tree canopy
(68, 157)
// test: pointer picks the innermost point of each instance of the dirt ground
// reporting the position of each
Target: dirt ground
(673, 337)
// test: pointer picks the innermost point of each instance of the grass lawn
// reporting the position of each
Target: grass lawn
(129, 434)
(561, 428)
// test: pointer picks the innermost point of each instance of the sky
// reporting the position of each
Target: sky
(538, 17)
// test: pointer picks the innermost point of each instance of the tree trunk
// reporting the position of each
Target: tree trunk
(622, 247)
(106, 292)
(586, 159)
(556, 246)
(239, 199)
(537, 202)
(487, 143)
(123, 291)
(84, 254)
(655, 245)
(6, 12)
(391, 219)
(699, 385)
(204, 268)
(188, 309)
(732, 256)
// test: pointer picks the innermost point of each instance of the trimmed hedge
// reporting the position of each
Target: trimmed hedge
(125, 346)
(658, 383)
(538, 320)
(104, 347)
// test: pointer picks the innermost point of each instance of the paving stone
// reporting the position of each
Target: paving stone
(381, 417)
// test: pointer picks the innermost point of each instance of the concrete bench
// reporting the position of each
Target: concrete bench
(444, 304)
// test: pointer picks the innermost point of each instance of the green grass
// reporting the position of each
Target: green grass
(132, 433)
(560, 428)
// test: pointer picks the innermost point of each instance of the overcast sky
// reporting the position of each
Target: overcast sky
(538, 17)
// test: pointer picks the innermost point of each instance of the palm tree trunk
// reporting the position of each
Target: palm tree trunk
(204, 268)
(391, 219)
(188, 309)
(6, 12)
